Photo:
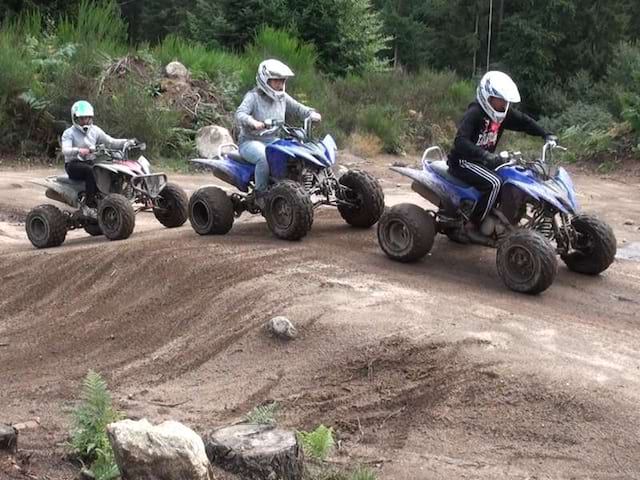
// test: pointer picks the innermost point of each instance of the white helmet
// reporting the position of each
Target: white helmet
(81, 108)
(272, 69)
(500, 85)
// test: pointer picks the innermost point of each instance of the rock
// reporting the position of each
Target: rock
(28, 425)
(256, 452)
(176, 70)
(164, 452)
(208, 139)
(283, 328)
(8, 438)
(628, 221)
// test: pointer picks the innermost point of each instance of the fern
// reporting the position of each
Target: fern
(263, 414)
(318, 443)
(90, 419)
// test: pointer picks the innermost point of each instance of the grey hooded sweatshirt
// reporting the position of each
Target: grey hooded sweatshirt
(258, 106)
(74, 139)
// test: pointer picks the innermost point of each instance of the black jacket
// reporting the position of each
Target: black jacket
(477, 134)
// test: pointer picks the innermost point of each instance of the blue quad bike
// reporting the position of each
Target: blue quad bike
(301, 180)
(535, 218)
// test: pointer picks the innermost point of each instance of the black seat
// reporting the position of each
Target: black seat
(442, 169)
(69, 181)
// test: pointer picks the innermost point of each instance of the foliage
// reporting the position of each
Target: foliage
(90, 419)
(263, 414)
(317, 443)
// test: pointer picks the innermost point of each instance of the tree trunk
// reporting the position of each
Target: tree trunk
(256, 452)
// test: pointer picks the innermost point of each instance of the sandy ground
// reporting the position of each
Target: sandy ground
(432, 370)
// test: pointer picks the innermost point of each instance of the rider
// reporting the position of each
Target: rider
(78, 141)
(268, 101)
(472, 158)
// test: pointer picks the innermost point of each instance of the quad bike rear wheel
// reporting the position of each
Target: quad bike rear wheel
(289, 210)
(210, 211)
(46, 226)
(366, 193)
(116, 217)
(406, 232)
(595, 247)
(526, 262)
(172, 206)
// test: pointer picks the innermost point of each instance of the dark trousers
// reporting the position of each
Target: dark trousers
(482, 179)
(78, 170)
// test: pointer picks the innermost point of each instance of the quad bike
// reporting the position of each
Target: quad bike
(301, 180)
(537, 217)
(122, 183)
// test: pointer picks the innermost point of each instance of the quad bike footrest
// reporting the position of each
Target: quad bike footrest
(151, 185)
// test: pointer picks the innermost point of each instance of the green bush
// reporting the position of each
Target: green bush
(131, 112)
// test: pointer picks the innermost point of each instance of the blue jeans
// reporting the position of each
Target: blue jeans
(255, 152)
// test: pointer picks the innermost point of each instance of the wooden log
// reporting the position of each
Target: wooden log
(256, 452)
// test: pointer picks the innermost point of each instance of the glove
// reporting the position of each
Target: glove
(315, 117)
(552, 140)
(491, 160)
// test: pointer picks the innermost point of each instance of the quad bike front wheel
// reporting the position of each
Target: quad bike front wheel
(365, 193)
(210, 211)
(289, 210)
(526, 262)
(46, 226)
(595, 246)
(406, 232)
(171, 208)
(116, 217)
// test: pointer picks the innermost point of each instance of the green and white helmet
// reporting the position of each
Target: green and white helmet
(81, 108)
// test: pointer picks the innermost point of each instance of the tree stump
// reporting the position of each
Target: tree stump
(256, 452)
(8, 438)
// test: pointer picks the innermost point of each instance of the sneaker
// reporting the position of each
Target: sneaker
(89, 212)
(260, 199)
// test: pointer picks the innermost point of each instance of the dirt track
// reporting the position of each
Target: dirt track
(432, 370)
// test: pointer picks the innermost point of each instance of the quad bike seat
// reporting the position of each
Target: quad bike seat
(442, 169)
(68, 181)
(236, 157)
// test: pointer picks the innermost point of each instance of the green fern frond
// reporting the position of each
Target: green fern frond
(90, 419)
(318, 443)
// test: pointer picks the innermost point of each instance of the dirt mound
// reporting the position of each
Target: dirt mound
(382, 393)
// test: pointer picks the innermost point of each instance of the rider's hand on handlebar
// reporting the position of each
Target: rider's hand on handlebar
(552, 140)
(493, 161)
(83, 152)
(315, 117)
(256, 125)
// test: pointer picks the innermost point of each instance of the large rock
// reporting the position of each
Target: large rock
(257, 452)
(210, 138)
(8, 438)
(176, 70)
(168, 451)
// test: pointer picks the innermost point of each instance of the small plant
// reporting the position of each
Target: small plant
(362, 473)
(318, 443)
(263, 414)
(89, 439)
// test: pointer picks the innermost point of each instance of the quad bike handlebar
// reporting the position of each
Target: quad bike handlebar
(286, 130)
(118, 153)
(541, 166)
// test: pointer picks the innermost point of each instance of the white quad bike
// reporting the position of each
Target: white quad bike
(121, 184)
